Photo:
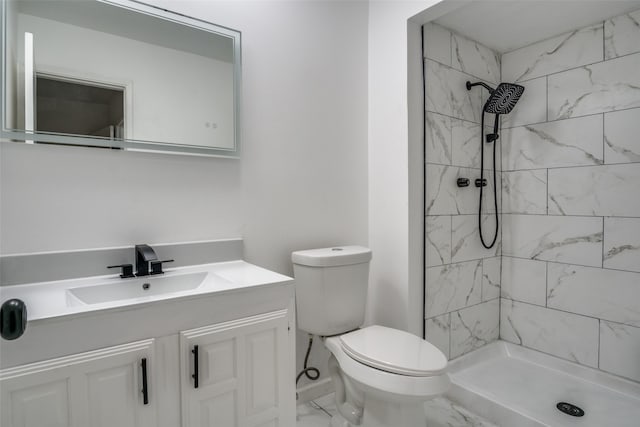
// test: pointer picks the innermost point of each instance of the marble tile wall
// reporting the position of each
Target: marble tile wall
(462, 278)
(570, 282)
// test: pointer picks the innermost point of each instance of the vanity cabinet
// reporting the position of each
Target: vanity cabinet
(235, 373)
(102, 388)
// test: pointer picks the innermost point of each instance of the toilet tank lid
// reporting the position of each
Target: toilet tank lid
(331, 257)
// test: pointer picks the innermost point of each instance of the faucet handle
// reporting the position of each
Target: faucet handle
(156, 266)
(127, 270)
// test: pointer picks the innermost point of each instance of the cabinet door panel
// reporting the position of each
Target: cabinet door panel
(100, 388)
(217, 410)
(112, 401)
(241, 365)
(41, 405)
(218, 362)
(262, 371)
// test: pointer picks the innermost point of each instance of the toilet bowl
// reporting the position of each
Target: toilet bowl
(382, 376)
(386, 374)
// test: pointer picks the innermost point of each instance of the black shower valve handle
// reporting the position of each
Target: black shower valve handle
(481, 182)
(463, 182)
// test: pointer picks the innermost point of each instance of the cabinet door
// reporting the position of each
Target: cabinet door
(242, 373)
(102, 388)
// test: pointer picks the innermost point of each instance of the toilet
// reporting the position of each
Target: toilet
(382, 376)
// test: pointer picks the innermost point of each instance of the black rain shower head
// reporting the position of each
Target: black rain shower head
(502, 99)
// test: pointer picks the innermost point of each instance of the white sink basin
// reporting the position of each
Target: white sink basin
(143, 287)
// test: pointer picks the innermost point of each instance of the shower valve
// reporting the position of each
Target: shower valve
(463, 182)
(481, 182)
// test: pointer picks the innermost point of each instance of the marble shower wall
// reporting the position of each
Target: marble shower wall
(462, 278)
(571, 197)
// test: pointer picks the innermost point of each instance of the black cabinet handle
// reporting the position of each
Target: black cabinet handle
(13, 319)
(195, 366)
(145, 390)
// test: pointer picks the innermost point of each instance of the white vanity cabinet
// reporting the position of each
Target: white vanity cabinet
(102, 388)
(234, 374)
(81, 365)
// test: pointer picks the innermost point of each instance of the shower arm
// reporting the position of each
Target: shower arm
(483, 84)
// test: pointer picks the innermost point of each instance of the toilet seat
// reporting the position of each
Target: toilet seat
(394, 351)
(388, 383)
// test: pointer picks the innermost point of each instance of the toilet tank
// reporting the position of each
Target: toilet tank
(331, 288)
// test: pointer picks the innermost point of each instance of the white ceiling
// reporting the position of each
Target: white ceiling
(505, 25)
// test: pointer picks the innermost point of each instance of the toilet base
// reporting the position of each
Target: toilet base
(381, 413)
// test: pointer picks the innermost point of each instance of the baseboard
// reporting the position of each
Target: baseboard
(314, 390)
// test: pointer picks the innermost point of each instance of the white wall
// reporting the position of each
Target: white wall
(395, 216)
(174, 94)
(302, 179)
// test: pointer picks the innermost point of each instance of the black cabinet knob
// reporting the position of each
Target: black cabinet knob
(13, 319)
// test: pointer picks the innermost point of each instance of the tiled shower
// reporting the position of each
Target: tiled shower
(564, 276)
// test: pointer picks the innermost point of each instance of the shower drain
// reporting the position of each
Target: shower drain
(570, 409)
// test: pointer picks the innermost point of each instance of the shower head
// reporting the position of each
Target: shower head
(503, 98)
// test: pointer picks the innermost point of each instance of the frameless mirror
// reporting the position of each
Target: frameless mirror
(118, 74)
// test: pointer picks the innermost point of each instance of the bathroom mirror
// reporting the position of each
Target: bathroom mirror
(118, 74)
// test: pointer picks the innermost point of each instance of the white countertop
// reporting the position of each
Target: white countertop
(48, 300)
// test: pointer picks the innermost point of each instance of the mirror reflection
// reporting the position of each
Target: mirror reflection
(106, 73)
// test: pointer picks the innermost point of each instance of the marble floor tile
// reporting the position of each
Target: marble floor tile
(310, 415)
(441, 412)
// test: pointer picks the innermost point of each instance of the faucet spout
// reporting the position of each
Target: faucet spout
(144, 255)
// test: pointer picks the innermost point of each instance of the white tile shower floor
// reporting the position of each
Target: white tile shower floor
(441, 412)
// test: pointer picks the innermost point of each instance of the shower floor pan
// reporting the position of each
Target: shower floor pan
(517, 387)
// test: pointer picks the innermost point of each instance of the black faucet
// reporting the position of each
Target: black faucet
(144, 255)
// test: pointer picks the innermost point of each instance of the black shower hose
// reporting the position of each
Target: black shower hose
(495, 188)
